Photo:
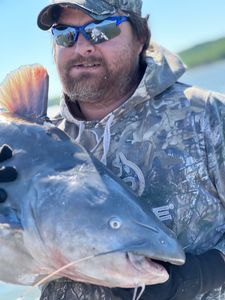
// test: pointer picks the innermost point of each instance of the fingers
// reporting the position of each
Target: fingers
(8, 174)
(3, 195)
(5, 153)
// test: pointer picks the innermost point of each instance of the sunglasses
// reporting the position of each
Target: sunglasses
(96, 32)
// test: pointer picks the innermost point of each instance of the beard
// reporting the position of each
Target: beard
(87, 87)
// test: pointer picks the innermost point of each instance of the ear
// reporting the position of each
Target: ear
(138, 46)
(141, 46)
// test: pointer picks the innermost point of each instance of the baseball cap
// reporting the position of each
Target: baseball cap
(97, 9)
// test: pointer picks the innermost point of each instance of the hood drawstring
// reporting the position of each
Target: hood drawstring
(81, 129)
(107, 139)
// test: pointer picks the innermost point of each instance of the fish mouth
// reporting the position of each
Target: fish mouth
(141, 263)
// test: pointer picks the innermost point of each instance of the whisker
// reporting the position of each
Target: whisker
(46, 278)
(135, 296)
(135, 293)
(141, 292)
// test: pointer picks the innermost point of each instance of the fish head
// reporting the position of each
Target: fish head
(87, 216)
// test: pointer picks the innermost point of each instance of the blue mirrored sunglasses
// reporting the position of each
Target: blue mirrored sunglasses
(96, 32)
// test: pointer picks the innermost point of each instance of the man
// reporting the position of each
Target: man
(163, 138)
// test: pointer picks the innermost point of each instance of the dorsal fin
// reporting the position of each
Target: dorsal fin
(24, 92)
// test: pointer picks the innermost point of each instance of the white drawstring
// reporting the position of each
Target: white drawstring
(81, 129)
(98, 141)
(107, 139)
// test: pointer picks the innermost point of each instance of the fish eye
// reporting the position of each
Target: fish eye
(115, 223)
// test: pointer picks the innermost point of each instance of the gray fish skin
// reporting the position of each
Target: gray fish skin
(60, 210)
(66, 206)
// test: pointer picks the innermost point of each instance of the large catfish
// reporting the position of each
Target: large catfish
(66, 208)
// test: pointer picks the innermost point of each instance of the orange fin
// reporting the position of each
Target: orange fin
(24, 92)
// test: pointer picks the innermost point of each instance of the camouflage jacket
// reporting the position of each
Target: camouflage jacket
(167, 143)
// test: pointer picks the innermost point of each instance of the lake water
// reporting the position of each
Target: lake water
(211, 77)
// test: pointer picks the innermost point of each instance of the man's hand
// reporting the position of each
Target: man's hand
(7, 174)
(199, 274)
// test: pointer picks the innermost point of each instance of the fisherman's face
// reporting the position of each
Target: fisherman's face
(89, 72)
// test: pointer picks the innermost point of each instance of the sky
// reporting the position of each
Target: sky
(175, 24)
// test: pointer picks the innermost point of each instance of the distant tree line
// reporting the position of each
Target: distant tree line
(204, 53)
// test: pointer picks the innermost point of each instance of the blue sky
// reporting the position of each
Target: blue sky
(176, 24)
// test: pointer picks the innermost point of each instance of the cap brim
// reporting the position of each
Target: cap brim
(49, 15)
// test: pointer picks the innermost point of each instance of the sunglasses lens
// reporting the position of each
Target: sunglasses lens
(64, 36)
(95, 32)
(101, 32)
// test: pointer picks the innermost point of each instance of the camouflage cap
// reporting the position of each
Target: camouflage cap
(97, 9)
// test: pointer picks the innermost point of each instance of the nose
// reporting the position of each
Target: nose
(83, 46)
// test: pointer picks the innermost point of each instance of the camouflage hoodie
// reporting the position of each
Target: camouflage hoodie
(167, 143)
